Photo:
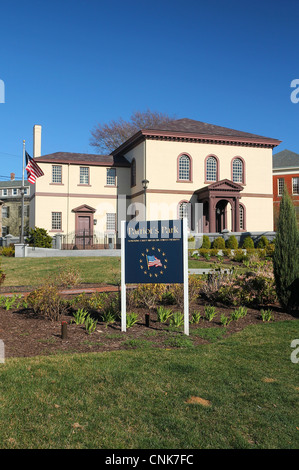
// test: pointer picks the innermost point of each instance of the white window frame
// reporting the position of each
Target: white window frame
(184, 168)
(295, 185)
(111, 178)
(57, 174)
(5, 192)
(211, 169)
(280, 186)
(84, 175)
(56, 220)
(238, 170)
(110, 221)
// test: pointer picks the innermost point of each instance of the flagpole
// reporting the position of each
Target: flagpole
(23, 194)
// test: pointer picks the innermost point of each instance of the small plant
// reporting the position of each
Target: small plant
(210, 312)
(177, 319)
(132, 318)
(108, 316)
(179, 342)
(238, 313)
(266, 315)
(232, 242)
(163, 314)
(225, 321)
(206, 243)
(80, 316)
(90, 324)
(196, 316)
(219, 243)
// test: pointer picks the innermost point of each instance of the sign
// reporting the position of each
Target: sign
(154, 252)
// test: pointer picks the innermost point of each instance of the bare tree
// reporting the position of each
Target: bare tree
(107, 137)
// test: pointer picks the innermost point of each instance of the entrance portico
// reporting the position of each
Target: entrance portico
(215, 199)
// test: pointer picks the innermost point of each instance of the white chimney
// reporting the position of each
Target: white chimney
(37, 141)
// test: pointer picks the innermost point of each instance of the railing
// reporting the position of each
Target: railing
(86, 240)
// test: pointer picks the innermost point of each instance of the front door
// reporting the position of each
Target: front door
(83, 233)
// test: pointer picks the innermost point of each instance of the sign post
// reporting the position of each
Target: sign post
(154, 252)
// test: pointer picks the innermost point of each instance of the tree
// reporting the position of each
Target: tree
(39, 237)
(286, 255)
(107, 137)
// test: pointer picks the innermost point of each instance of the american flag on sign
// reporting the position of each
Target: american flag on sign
(32, 168)
(153, 261)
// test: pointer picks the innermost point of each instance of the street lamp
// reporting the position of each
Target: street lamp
(145, 186)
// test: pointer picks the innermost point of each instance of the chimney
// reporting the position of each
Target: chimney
(12, 176)
(37, 140)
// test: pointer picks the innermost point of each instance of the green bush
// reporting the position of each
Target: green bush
(232, 242)
(206, 244)
(8, 251)
(219, 243)
(39, 237)
(263, 242)
(247, 243)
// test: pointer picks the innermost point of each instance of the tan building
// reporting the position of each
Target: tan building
(225, 172)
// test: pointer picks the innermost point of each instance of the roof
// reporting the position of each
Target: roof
(191, 130)
(13, 184)
(286, 159)
(83, 159)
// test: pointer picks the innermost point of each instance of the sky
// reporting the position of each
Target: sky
(68, 65)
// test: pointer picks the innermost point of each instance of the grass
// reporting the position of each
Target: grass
(238, 393)
(102, 270)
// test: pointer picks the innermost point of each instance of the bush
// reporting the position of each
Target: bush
(2, 276)
(247, 243)
(47, 302)
(206, 244)
(219, 243)
(8, 251)
(232, 242)
(39, 237)
(263, 242)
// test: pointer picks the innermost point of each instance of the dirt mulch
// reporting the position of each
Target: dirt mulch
(25, 334)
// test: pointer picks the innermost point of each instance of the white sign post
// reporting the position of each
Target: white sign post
(123, 280)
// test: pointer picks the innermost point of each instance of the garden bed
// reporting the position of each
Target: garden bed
(27, 334)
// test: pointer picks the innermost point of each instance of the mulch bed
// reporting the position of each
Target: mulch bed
(26, 335)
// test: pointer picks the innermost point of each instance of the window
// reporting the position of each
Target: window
(5, 211)
(238, 171)
(184, 168)
(56, 174)
(56, 220)
(133, 172)
(15, 192)
(4, 192)
(111, 222)
(184, 210)
(5, 231)
(26, 211)
(280, 182)
(242, 217)
(295, 185)
(111, 177)
(26, 191)
(211, 169)
(84, 175)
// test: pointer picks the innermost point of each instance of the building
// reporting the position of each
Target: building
(11, 197)
(285, 173)
(162, 173)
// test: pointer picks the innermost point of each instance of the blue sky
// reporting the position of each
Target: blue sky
(70, 64)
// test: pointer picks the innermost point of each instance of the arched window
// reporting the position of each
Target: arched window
(133, 172)
(184, 168)
(211, 169)
(238, 170)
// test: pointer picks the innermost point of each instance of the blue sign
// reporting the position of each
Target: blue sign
(154, 252)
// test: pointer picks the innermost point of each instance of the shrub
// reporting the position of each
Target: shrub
(232, 242)
(247, 243)
(206, 244)
(68, 277)
(2, 276)
(263, 242)
(219, 243)
(8, 251)
(149, 295)
(47, 302)
(39, 237)
(286, 255)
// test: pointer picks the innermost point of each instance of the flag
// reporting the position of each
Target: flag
(32, 168)
(153, 261)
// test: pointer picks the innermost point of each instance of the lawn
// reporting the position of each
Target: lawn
(237, 393)
(102, 270)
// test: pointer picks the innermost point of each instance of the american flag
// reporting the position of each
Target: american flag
(153, 261)
(32, 168)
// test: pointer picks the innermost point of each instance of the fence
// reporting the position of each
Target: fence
(86, 240)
